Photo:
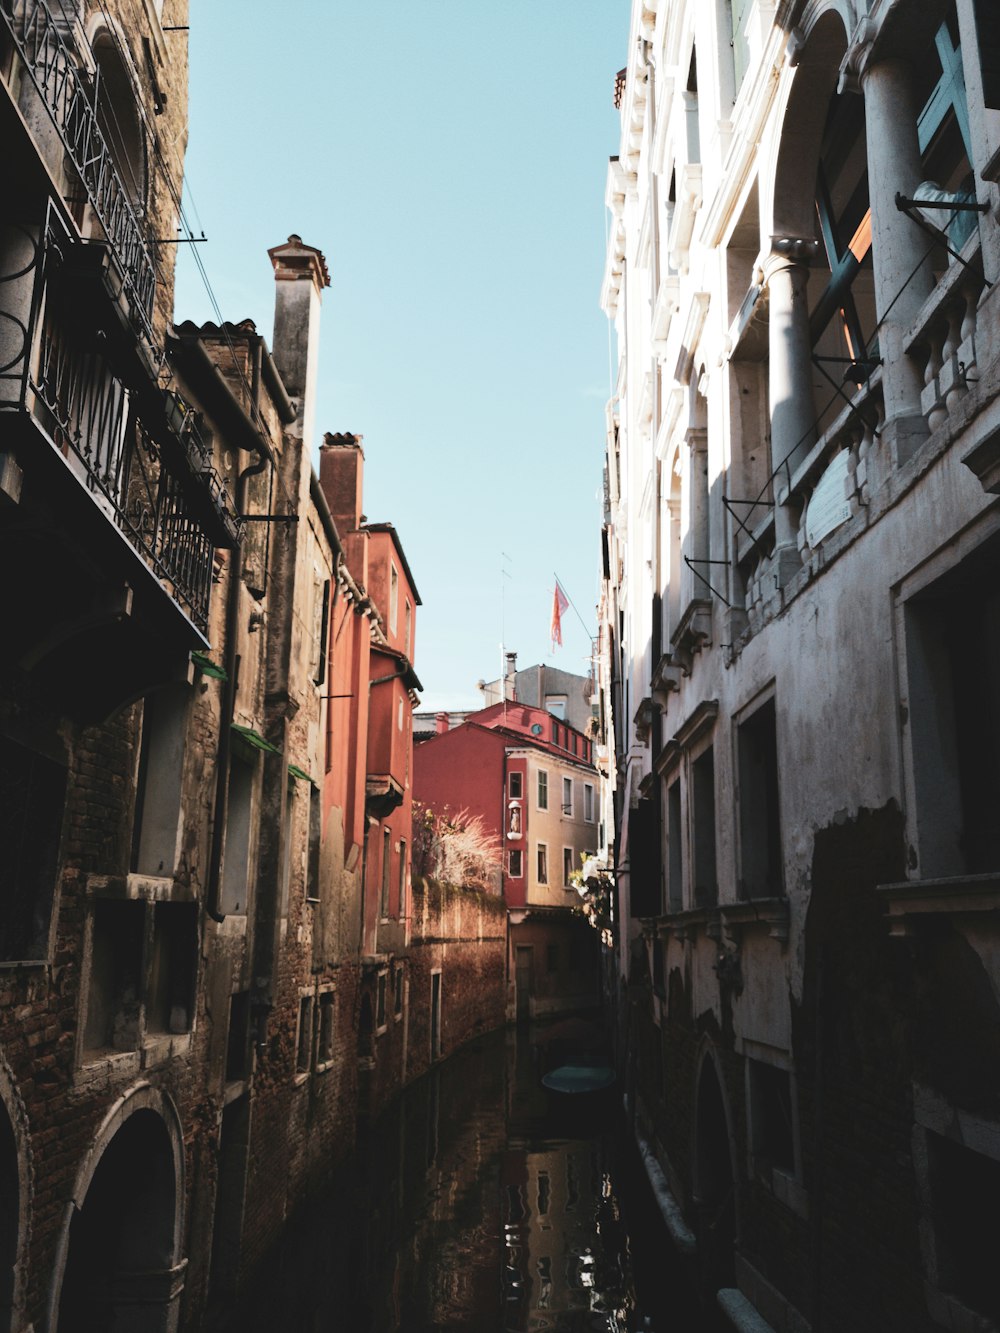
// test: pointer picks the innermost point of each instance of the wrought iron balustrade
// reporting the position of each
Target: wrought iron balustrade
(50, 63)
(136, 449)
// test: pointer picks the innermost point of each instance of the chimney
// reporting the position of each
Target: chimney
(341, 475)
(300, 274)
(510, 677)
(441, 724)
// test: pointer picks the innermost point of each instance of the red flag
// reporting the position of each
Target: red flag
(559, 604)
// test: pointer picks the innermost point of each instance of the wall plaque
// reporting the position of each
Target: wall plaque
(828, 507)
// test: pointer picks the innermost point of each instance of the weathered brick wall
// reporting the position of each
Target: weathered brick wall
(462, 933)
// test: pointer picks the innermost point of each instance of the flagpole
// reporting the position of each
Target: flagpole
(586, 627)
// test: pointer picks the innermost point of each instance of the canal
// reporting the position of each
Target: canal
(482, 1202)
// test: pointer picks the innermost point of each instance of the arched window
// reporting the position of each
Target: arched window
(118, 116)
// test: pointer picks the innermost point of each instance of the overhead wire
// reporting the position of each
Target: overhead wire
(152, 140)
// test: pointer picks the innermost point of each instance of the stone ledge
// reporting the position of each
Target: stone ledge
(740, 1313)
(955, 895)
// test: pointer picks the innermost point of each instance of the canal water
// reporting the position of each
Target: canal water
(482, 1202)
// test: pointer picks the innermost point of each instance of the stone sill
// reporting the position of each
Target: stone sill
(730, 919)
(960, 894)
(153, 888)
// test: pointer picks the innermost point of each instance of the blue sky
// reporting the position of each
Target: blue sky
(448, 157)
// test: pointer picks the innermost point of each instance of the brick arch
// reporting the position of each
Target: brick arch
(16, 1193)
(120, 1244)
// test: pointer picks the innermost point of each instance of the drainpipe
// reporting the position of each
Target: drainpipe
(231, 665)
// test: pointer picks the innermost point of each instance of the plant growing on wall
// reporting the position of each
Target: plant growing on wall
(594, 885)
(455, 848)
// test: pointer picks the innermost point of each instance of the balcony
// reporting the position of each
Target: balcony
(113, 489)
(42, 42)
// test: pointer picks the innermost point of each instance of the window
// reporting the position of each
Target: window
(952, 645)
(170, 983)
(315, 838)
(435, 1015)
(157, 830)
(386, 869)
(772, 1135)
(32, 796)
(556, 705)
(760, 833)
(408, 630)
(588, 802)
(675, 849)
(304, 1035)
(236, 858)
(327, 1029)
(113, 999)
(321, 627)
(143, 957)
(397, 990)
(567, 796)
(943, 128)
(739, 13)
(514, 864)
(516, 783)
(567, 866)
(706, 891)
(964, 1187)
(543, 789)
(402, 878)
(380, 1010)
(393, 598)
(238, 1037)
(287, 844)
(543, 863)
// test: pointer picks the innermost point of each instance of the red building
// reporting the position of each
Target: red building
(368, 795)
(530, 777)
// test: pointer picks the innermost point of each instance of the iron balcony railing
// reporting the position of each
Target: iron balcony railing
(38, 40)
(135, 448)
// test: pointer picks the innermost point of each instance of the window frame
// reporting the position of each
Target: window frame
(542, 863)
(542, 789)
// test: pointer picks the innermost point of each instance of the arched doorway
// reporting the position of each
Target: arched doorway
(714, 1185)
(120, 1247)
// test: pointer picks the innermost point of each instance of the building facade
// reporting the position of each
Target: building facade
(566, 694)
(798, 669)
(206, 693)
(529, 777)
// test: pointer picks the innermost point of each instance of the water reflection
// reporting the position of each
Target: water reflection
(481, 1203)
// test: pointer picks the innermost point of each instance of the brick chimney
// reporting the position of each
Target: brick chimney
(300, 274)
(441, 724)
(341, 475)
(509, 686)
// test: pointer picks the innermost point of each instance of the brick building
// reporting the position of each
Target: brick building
(205, 727)
(799, 667)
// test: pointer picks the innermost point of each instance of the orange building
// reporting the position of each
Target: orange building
(367, 790)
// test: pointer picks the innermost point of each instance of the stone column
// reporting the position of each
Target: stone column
(903, 275)
(792, 411)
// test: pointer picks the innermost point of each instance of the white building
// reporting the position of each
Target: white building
(802, 646)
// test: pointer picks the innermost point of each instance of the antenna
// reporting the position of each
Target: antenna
(504, 574)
